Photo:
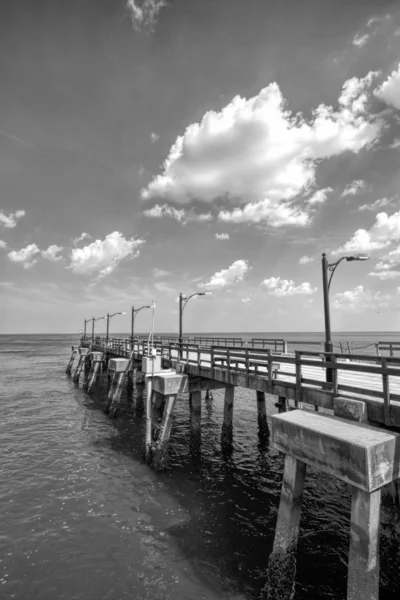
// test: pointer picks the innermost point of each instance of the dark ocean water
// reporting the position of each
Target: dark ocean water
(84, 518)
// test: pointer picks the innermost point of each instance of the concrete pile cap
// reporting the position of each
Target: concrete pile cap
(96, 356)
(364, 456)
(83, 351)
(118, 364)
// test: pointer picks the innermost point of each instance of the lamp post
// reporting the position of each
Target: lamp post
(326, 284)
(109, 317)
(93, 320)
(134, 313)
(183, 300)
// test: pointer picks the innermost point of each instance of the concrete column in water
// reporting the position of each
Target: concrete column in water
(195, 420)
(82, 354)
(119, 367)
(161, 448)
(227, 426)
(71, 361)
(282, 561)
(363, 574)
(262, 415)
(91, 380)
(149, 429)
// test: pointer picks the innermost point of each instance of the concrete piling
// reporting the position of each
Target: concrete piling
(119, 368)
(82, 354)
(262, 415)
(92, 378)
(227, 426)
(71, 361)
(161, 447)
(149, 429)
(195, 421)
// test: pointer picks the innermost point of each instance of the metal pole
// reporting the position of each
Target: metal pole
(180, 324)
(328, 334)
(93, 329)
(84, 330)
(132, 323)
(108, 321)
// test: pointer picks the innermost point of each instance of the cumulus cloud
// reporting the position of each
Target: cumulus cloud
(389, 265)
(101, 257)
(380, 203)
(2, 244)
(360, 299)
(145, 12)
(9, 221)
(305, 259)
(52, 253)
(180, 214)
(353, 188)
(233, 274)
(285, 287)
(222, 236)
(83, 236)
(385, 230)
(154, 137)
(395, 144)
(25, 256)
(389, 91)
(256, 152)
(319, 196)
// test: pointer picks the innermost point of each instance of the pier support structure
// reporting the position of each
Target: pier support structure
(83, 352)
(96, 359)
(227, 425)
(118, 368)
(71, 361)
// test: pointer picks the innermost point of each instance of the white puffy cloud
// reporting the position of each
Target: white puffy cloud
(179, 214)
(101, 257)
(233, 274)
(305, 259)
(319, 196)
(353, 188)
(389, 91)
(25, 256)
(275, 213)
(285, 287)
(145, 12)
(359, 299)
(385, 230)
(154, 137)
(52, 253)
(222, 236)
(380, 203)
(9, 221)
(256, 152)
(3, 244)
(388, 266)
(395, 144)
(83, 236)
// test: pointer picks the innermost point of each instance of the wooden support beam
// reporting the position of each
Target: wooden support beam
(363, 573)
(262, 415)
(71, 362)
(282, 561)
(227, 426)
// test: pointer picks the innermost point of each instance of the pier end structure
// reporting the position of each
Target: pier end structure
(71, 361)
(96, 359)
(365, 457)
(83, 353)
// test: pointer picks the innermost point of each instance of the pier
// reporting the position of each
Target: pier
(346, 424)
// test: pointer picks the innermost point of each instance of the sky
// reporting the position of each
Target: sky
(152, 147)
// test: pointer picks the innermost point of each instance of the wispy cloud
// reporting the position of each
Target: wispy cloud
(320, 196)
(9, 221)
(145, 13)
(179, 214)
(83, 236)
(3, 244)
(353, 188)
(154, 137)
(285, 287)
(360, 39)
(305, 259)
(222, 236)
(380, 203)
(389, 91)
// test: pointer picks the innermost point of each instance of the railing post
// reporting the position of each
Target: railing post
(212, 361)
(247, 366)
(228, 362)
(285, 347)
(269, 359)
(386, 392)
(298, 402)
(334, 375)
(377, 349)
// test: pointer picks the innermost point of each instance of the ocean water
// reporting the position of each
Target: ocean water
(84, 518)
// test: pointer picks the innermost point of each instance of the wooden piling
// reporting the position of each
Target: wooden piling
(282, 561)
(363, 572)
(227, 426)
(262, 415)
(71, 362)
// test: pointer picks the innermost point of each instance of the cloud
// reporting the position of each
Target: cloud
(233, 274)
(180, 214)
(52, 253)
(305, 259)
(275, 213)
(160, 273)
(256, 152)
(246, 299)
(380, 203)
(145, 12)
(154, 137)
(284, 287)
(222, 236)
(10, 221)
(385, 230)
(82, 237)
(319, 196)
(389, 91)
(359, 299)
(3, 244)
(101, 257)
(360, 40)
(389, 265)
(353, 188)
(25, 256)
(395, 144)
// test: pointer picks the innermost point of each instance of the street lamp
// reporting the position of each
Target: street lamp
(182, 303)
(134, 313)
(109, 317)
(326, 283)
(93, 320)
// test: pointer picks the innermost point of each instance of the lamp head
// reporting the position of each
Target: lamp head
(357, 257)
(205, 293)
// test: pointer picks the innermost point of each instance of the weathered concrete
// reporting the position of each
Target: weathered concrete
(160, 449)
(118, 365)
(282, 561)
(359, 454)
(169, 382)
(151, 364)
(71, 361)
(83, 351)
(78, 369)
(96, 361)
(195, 421)
(262, 415)
(227, 426)
(348, 408)
(363, 573)
(149, 429)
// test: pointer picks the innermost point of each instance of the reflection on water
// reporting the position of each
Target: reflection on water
(84, 517)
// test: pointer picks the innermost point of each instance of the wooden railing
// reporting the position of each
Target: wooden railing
(391, 347)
